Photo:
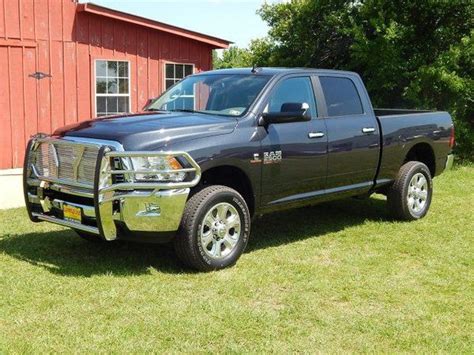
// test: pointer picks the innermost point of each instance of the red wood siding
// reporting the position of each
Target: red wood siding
(50, 36)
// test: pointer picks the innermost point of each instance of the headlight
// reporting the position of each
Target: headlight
(161, 169)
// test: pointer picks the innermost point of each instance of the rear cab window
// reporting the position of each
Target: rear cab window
(341, 96)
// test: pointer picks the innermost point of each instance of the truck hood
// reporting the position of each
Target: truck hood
(151, 130)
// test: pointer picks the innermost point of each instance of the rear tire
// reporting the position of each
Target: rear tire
(409, 198)
(214, 230)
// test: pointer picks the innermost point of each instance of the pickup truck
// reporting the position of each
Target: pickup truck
(220, 147)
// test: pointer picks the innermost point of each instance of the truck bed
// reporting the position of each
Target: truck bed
(403, 129)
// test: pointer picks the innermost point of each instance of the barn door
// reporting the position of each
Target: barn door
(18, 101)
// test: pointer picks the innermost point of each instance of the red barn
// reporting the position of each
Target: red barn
(63, 62)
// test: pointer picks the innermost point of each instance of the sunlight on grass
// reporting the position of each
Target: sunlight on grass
(340, 276)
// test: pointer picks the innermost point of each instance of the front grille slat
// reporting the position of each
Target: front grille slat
(58, 161)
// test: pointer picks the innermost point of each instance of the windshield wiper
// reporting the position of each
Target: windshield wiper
(189, 110)
(156, 109)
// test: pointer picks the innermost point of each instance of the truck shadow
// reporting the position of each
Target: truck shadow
(64, 253)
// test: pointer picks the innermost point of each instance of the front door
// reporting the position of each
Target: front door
(294, 154)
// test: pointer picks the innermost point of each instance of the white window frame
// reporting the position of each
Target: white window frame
(175, 81)
(174, 78)
(129, 95)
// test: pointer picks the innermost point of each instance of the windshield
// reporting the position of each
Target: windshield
(221, 94)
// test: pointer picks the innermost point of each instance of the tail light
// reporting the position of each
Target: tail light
(452, 139)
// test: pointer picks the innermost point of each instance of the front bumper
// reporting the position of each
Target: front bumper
(107, 207)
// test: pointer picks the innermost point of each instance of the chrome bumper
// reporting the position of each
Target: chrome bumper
(140, 206)
(449, 162)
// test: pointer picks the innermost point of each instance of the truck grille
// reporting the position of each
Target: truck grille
(64, 160)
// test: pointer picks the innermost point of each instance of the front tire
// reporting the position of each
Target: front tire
(409, 198)
(214, 230)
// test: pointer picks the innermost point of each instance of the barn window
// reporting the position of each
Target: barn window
(175, 72)
(112, 87)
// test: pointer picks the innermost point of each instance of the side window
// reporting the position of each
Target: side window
(296, 90)
(341, 96)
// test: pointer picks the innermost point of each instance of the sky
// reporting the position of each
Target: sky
(233, 20)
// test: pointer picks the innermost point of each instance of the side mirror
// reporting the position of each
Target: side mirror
(290, 112)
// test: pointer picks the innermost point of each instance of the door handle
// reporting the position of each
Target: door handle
(368, 130)
(315, 134)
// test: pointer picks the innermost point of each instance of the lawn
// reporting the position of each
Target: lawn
(337, 277)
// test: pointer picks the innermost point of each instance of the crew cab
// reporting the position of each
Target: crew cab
(221, 147)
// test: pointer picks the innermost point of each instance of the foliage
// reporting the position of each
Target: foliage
(234, 57)
(410, 53)
(336, 278)
(449, 84)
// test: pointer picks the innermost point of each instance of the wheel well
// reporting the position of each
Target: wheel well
(232, 177)
(422, 152)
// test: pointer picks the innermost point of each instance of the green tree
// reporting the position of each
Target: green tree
(410, 53)
(233, 57)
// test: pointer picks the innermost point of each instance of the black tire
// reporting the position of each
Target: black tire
(398, 193)
(93, 238)
(187, 242)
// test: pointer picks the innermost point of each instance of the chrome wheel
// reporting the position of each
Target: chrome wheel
(417, 193)
(220, 230)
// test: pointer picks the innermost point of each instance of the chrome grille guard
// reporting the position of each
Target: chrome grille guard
(103, 190)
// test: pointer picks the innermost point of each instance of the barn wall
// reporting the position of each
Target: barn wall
(51, 37)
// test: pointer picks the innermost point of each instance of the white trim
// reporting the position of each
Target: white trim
(174, 78)
(176, 63)
(94, 83)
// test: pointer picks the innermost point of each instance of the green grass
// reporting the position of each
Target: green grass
(340, 276)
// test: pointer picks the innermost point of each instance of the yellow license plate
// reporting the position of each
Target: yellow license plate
(72, 213)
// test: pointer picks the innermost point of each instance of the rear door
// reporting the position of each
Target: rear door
(353, 134)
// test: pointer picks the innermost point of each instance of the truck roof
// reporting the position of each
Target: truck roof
(272, 71)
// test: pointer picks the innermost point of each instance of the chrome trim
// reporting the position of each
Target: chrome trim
(165, 171)
(149, 186)
(56, 160)
(144, 206)
(368, 130)
(160, 211)
(32, 198)
(68, 172)
(72, 191)
(61, 181)
(88, 211)
(315, 135)
(77, 162)
(449, 162)
(65, 223)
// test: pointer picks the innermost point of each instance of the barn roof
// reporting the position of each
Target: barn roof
(215, 42)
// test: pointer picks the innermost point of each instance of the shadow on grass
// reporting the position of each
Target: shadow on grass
(64, 253)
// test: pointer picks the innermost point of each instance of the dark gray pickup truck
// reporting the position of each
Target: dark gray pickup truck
(223, 146)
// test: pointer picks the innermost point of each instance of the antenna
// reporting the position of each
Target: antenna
(255, 69)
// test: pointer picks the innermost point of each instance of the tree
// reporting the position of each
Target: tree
(410, 53)
(233, 57)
